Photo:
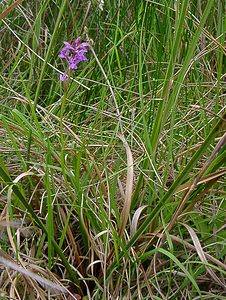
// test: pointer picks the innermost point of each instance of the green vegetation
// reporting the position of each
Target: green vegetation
(113, 187)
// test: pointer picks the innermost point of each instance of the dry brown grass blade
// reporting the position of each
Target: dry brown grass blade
(12, 265)
(202, 256)
(10, 8)
(85, 17)
(33, 279)
(200, 197)
(129, 186)
(135, 219)
(203, 179)
(22, 175)
(8, 228)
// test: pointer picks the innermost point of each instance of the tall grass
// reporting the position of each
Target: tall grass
(114, 189)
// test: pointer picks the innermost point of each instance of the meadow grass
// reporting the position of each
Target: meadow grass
(113, 188)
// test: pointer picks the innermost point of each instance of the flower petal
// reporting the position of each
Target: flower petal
(68, 46)
(63, 77)
(76, 42)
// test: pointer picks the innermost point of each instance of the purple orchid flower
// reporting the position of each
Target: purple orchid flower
(73, 53)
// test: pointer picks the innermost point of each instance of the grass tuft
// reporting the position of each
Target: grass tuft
(112, 185)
